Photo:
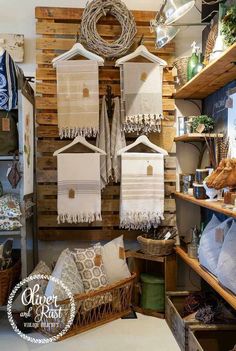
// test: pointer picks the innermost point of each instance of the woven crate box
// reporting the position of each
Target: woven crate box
(111, 302)
(8, 278)
(212, 338)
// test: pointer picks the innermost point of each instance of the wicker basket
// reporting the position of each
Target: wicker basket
(156, 247)
(181, 64)
(112, 302)
(8, 278)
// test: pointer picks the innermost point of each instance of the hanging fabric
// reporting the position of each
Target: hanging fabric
(8, 83)
(104, 143)
(117, 140)
(142, 190)
(142, 97)
(77, 98)
(79, 189)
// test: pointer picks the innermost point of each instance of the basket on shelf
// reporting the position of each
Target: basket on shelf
(95, 308)
(181, 64)
(8, 278)
(156, 247)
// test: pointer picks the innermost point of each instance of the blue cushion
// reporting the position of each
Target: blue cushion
(210, 243)
(226, 268)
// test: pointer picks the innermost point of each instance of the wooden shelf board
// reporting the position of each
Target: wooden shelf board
(139, 254)
(210, 279)
(214, 76)
(197, 137)
(9, 232)
(217, 206)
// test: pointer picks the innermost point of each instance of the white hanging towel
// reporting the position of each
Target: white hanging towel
(142, 84)
(142, 190)
(104, 143)
(77, 98)
(117, 140)
(79, 188)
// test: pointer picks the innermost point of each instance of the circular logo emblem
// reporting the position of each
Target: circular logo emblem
(40, 311)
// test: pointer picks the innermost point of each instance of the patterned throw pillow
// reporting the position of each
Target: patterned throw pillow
(65, 270)
(9, 206)
(9, 224)
(41, 268)
(91, 269)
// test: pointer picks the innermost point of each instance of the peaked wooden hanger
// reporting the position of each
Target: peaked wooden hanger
(145, 141)
(83, 141)
(78, 49)
(141, 51)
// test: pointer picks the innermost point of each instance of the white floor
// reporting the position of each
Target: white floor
(144, 333)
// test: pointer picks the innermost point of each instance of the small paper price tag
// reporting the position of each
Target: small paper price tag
(98, 260)
(219, 235)
(229, 103)
(6, 124)
(149, 170)
(144, 76)
(85, 92)
(200, 128)
(71, 194)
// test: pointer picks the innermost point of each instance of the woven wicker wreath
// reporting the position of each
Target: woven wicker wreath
(91, 15)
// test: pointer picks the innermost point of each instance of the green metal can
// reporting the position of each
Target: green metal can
(153, 292)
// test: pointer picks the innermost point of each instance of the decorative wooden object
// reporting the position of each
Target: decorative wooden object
(118, 304)
(56, 28)
(214, 76)
(210, 279)
(14, 45)
(140, 262)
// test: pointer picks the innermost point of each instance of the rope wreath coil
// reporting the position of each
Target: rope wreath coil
(92, 14)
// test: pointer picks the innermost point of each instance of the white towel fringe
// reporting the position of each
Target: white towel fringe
(140, 220)
(74, 132)
(145, 123)
(79, 218)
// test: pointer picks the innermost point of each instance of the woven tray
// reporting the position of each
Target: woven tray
(156, 247)
(115, 303)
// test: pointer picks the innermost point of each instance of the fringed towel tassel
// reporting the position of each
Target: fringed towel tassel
(140, 220)
(79, 218)
(146, 123)
(74, 132)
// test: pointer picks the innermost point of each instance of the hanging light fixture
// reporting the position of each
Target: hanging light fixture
(175, 9)
(164, 34)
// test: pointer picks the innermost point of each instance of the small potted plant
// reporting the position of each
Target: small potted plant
(205, 121)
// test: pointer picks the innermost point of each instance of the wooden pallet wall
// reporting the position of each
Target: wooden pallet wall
(56, 29)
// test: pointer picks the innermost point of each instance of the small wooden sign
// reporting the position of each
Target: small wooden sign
(149, 170)
(71, 194)
(85, 92)
(6, 125)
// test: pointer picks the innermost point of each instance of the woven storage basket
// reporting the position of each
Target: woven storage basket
(156, 247)
(181, 64)
(8, 278)
(114, 302)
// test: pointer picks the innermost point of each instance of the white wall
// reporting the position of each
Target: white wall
(18, 17)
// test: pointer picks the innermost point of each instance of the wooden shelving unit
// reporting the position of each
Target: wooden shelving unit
(217, 206)
(10, 233)
(214, 76)
(210, 279)
(197, 137)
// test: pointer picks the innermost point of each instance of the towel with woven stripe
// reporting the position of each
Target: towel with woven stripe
(77, 98)
(142, 97)
(8, 82)
(79, 188)
(117, 140)
(142, 190)
(104, 143)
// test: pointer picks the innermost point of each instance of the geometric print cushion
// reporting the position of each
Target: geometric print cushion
(41, 268)
(65, 270)
(91, 269)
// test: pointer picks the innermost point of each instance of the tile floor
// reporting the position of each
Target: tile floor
(144, 333)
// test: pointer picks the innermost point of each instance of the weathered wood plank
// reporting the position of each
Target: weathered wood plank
(50, 103)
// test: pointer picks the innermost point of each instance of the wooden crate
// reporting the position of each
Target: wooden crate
(178, 326)
(212, 338)
(56, 28)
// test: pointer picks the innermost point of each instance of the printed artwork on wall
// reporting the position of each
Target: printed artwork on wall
(28, 147)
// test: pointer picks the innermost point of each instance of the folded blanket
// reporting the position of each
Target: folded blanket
(142, 96)
(142, 190)
(79, 189)
(104, 143)
(8, 83)
(77, 98)
(117, 140)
